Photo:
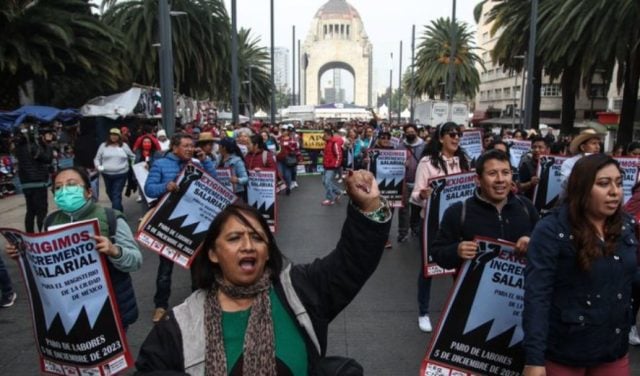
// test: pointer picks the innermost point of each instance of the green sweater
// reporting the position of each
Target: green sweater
(290, 346)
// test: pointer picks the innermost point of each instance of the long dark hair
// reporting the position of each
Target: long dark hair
(204, 270)
(585, 238)
(433, 150)
(230, 145)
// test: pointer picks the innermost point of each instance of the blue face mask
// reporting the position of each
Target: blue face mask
(70, 198)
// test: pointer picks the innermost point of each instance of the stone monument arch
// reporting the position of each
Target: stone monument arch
(337, 40)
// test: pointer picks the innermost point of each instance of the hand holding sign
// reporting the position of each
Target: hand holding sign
(467, 250)
(104, 245)
(12, 251)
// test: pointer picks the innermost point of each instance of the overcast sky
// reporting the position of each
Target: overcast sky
(386, 23)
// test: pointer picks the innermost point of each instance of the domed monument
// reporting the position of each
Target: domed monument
(337, 40)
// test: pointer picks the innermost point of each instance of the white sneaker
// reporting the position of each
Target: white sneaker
(634, 338)
(425, 323)
(294, 184)
(139, 199)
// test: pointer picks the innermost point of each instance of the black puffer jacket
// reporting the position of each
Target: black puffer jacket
(34, 159)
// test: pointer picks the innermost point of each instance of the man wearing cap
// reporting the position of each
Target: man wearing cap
(205, 145)
(586, 143)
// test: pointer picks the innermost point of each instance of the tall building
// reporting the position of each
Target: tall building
(281, 68)
(499, 100)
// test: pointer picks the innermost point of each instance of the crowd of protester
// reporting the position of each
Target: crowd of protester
(572, 252)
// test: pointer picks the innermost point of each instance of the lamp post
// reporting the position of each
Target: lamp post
(166, 67)
(533, 31)
(390, 88)
(293, 66)
(399, 86)
(515, 84)
(452, 59)
(234, 66)
(273, 83)
(413, 73)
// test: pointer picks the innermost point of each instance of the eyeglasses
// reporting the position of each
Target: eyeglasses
(384, 138)
(454, 134)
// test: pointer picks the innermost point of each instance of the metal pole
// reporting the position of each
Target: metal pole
(413, 73)
(250, 97)
(234, 65)
(400, 85)
(293, 67)
(299, 100)
(390, 89)
(166, 68)
(273, 82)
(531, 64)
(513, 110)
(452, 59)
(524, 69)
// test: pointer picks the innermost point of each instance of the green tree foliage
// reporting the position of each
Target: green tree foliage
(200, 43)
(59, 45)
(432, 60)
(252, 56)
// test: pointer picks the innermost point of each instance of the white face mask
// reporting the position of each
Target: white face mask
(244, 149)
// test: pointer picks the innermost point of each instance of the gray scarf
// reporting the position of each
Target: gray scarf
(259, 355)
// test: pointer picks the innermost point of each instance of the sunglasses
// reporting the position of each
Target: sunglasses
(455, 134)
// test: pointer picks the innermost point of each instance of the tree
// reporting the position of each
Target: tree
(200, 43)
(600, 34)
(511, 20)
(252, 56)
(68, 53)
(433, 56)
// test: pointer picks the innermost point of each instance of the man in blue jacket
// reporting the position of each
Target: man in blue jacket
(161, 180)
(493, 211)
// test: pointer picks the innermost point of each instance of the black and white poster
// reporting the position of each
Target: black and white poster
(471, 143)
(261, 194)
(224, 176)
(76, 321)
(447, 190)
(480, 331)
(178, 226)
(548, 189)
(517, 149)
(630, 167)
(388, 166)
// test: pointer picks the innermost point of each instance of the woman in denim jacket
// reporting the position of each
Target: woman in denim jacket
(580, 265)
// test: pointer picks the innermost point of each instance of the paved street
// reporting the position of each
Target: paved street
(379, 328)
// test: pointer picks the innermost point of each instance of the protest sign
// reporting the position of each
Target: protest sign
(261, 194)
(223, 175)
(471, 143)
(548, 189)
(312, 140)
(518, 148)
(141, 171)
(75, 318)
(480, 331)
(447, 190)
(388, 166)
(177, 227)
(630, 167)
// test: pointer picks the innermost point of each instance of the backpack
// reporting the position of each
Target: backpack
(111, 222)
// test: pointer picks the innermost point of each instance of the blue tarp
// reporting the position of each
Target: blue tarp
(10, 120)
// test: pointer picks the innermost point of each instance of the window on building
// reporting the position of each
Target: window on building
(599, 91)
(325, 30)
(489, 94)
(516, 92)
(617, 104)
(498, 93)
(506, 92)
(550, 90)
(482, 94)
(490, 74)
(348, 27)
(342, 30)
